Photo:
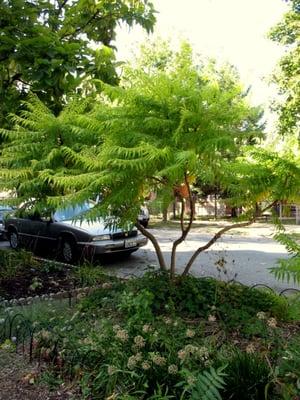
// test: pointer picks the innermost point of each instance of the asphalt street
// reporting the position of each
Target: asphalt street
(244, 255)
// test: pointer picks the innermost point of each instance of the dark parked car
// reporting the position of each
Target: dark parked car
(144, 216)
(67, 237)
(4, 210)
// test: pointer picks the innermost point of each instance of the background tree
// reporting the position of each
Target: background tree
(287, 77)
(53, 47)
(287, 32)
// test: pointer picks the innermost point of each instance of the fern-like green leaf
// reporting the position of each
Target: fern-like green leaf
(288, 269)
(208, 384)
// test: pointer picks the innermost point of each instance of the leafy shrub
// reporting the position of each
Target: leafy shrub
(250, 300)
(254, 327)
(158, 283)
(187, 295)
(137, 307)
(196, 297)
(288, 269)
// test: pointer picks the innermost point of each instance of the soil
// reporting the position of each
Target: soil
(19, 381)
(35, 283)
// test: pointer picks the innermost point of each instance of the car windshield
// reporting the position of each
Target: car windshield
(72, 212)
(4, 207)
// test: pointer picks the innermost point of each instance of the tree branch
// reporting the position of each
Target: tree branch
(153, 240)
(182, 215)
(184, 230)
(219, 234)
(94, 16)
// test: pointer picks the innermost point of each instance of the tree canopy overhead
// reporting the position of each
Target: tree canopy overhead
(51, 47)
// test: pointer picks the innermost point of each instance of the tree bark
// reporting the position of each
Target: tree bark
(153, 240)
(184, 230)
(165, 214)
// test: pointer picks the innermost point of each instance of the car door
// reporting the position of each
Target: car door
(34, 230)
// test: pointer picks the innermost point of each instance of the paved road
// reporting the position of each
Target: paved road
(247, 255)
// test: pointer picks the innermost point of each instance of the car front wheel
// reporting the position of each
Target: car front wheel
(68, 251)
(14, 240)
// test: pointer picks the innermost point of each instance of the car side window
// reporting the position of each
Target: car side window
(35, 216)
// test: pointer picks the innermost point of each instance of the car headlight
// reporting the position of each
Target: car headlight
(101, 237)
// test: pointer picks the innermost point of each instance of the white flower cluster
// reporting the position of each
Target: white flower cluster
(122, 335)
(139, 342)
(106, 285)
(157, 359)
(172, 369)
(261, 315)
(250, 348)
(116, 328)
(190, 333)
(147, 328)
(272, 322)
(200, 353)
(43, 334)
(146, 365)
(111, 370)
(134, 360)
(167, 320)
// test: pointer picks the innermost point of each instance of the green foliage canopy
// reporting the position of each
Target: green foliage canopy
(47, 46)
(168, 122)
(156, 130)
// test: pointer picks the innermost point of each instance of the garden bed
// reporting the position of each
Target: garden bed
(22, 275)
(149, 338)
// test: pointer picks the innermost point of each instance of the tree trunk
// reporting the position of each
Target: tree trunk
(216, 206)
(297, 214)
(185, 229)
(153, 240)
(165, 214)
(174, 209)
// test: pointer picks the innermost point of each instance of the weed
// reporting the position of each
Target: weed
(88, 275)
(247, 377)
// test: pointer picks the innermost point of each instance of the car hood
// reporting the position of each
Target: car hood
(93, 228)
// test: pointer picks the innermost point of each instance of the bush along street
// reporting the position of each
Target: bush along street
(156, 338)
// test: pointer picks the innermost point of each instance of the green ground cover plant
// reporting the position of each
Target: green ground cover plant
(151, 338)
